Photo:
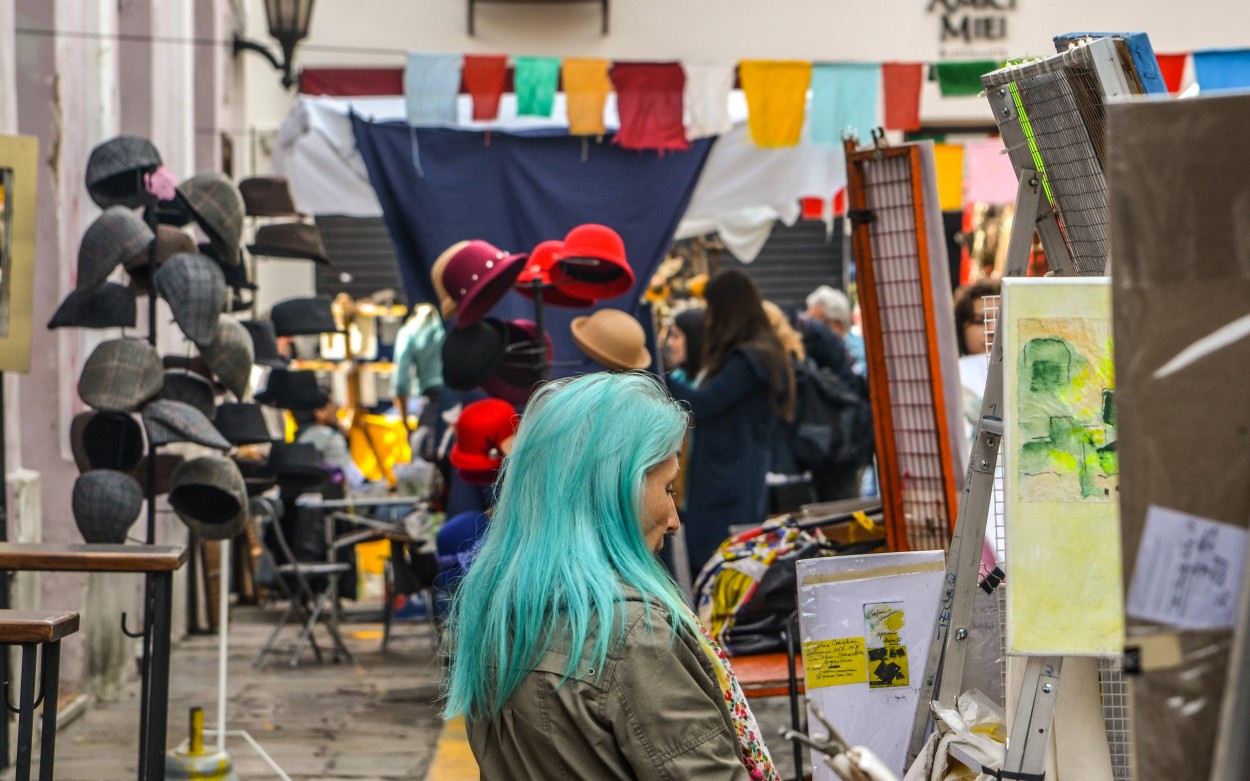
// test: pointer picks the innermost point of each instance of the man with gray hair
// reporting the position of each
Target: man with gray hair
(832, 307)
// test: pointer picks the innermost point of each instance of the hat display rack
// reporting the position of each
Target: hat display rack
(124, 378)
(140, 401)
(508, 359)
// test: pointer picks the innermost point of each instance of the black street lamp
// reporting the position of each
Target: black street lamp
(288, 24)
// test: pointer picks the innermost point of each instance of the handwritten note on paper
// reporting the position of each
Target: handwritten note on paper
(1188, 572)
(835, 662)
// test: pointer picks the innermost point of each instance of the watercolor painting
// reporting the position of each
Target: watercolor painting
(1066, 405)
(1061, 469)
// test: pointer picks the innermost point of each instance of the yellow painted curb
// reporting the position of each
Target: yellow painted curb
(453, 759)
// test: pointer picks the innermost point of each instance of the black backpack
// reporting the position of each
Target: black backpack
(832, 424)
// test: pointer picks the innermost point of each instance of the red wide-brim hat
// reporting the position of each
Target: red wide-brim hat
(537, 274)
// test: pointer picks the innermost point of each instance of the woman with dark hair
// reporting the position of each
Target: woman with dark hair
(683, 344)
(745, 387)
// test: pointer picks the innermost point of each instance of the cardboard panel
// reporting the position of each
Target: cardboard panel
(1180, 236)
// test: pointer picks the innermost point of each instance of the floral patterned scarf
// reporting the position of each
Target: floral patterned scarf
(751, 748)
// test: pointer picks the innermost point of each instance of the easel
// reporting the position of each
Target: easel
(942, 683)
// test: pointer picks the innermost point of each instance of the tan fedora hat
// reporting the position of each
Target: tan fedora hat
(446, 304)
(612, 338)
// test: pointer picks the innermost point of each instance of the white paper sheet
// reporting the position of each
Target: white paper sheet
(1188, 572)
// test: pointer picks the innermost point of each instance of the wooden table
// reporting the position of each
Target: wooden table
(767, 675)
(32, 631)
(157, 563)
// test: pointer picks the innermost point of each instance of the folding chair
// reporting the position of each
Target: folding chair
(408, 572)
(309, 603)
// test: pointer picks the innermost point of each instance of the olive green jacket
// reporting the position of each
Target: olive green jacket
(655, 711)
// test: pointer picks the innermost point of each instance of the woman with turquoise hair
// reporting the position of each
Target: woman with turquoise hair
(573, 654)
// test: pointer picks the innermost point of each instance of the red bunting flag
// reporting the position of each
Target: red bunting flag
(1172, 69)
(901, 82)
(649, 101)
(484, 78)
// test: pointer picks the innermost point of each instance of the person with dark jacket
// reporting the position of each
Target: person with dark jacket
(745, 387)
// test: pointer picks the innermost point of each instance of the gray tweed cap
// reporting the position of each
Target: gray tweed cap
(169, 421)
(230, 355)
(190, 388)
(105, 503)
(210, 496)
(114, 169)
(196, 291)
(108, 306)
(114, 237)
(215, 203)
(120, 375)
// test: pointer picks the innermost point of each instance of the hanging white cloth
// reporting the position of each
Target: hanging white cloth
(707, 98)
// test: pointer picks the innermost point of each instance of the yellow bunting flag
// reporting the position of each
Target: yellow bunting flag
(776, 93)
(949, 159)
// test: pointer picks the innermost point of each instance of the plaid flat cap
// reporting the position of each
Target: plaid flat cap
(120, 375)
(113, 238)
(170, 241)
(236, 280)
(267, 196)
(217, 207)
(105, 504)
(166, 463)
(210, 496)
(175, 421)
(196, 291)
(105, 440)
(115, 171)
(108, 306)
(230, 356)
(298, 240)
(304, 316)
(190, 388)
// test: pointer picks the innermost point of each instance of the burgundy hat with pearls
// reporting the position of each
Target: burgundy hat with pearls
(477, 276)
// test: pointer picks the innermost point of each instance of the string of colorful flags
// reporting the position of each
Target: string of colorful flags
(662, 106)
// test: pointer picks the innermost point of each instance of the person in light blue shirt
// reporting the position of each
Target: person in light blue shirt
(419, 353)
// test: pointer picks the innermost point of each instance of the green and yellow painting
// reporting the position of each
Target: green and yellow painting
(1066, 411)
(1060, 466)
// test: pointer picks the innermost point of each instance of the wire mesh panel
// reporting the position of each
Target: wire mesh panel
(1052, 114)
(899, 300)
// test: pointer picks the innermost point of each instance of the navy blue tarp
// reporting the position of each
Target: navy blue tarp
(516, 190)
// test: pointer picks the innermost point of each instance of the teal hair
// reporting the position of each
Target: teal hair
(565, 536)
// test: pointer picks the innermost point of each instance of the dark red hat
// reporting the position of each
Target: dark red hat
(484, 435)
(592, 264)
(538, 270)
(478, 276)
(524, 363)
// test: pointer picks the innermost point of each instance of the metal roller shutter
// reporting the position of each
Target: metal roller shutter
(364, 258)
(795, 261)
